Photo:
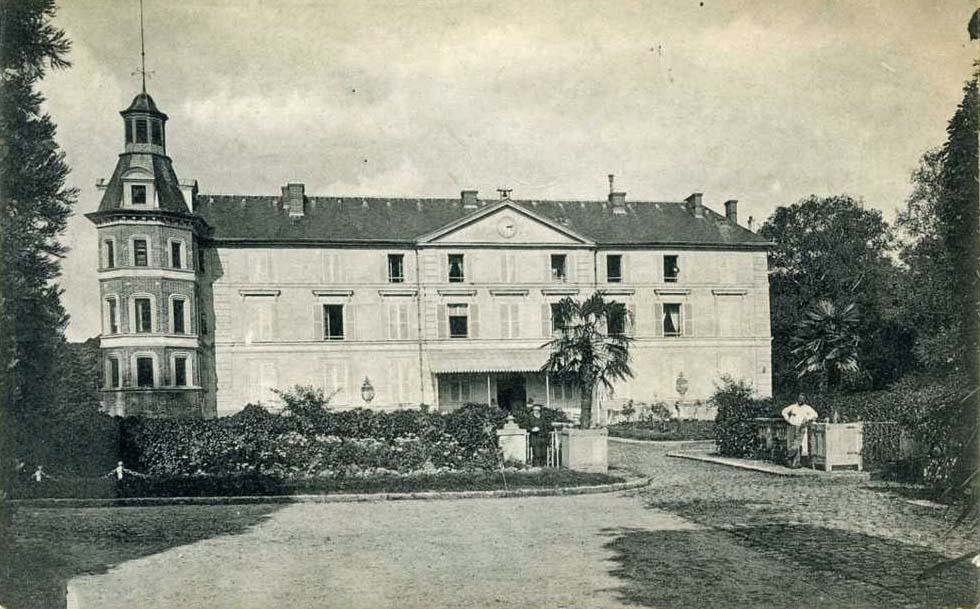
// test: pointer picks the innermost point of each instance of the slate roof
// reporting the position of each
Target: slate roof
(404, 220)
(164, 181)
(143, 103)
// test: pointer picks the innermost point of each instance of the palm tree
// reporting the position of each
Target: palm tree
(586, 352)
(826, 342)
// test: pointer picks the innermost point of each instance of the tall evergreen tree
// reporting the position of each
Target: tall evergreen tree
(34, 208)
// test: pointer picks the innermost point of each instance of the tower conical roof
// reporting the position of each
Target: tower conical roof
(143, 103)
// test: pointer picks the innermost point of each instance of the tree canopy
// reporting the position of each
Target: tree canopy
(833, 249)
(34, 207)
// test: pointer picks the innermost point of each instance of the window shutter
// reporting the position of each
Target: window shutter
(443, 322)
(688, 319)
(474, 321)
(658, 269)
(516, 321)
(350, 321)
(658, 319)
(584, 267)
(318, 321)
(469, 264)
(709, 322)
(546, 320)
(443, 267)
(624, 266)
(547, 267)
(384, 267)
(745, 312)
(602, 273)
(631, 325)
(502, 313)
(391, 310)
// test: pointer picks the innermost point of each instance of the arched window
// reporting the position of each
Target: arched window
(180, 314)
(182, 369)
(142, 314)
(146, 369)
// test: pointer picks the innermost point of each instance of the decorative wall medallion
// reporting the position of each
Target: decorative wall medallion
(506, 227)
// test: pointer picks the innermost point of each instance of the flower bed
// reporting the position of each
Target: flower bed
(664, 430)
(252, 484)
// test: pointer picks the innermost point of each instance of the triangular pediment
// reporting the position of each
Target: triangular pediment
(505, 223)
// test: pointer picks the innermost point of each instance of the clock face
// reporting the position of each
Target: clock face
(506, 227)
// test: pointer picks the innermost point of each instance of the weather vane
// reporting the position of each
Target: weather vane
(142, 71)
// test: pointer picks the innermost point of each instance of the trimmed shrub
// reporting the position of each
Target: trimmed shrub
(735, 432)
(671, 429)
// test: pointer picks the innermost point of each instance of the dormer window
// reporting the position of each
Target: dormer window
(138, 194)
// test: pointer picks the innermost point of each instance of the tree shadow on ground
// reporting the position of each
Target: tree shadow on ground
(782, 566)
(48, 547)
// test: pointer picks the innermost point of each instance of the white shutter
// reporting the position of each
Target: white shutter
(318, 321)
(474, 321)
(503, 313)
(443, 321)
(624, 267)
(546, 320)
(688, 319)
(515, 320)
(658, 319)
(350, 321)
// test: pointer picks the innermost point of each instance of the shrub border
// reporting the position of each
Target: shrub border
(629, 484)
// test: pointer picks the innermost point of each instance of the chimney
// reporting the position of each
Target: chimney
(731, 211)
(750, 222)
(694, 205)
(293, 198)
(617, 201)
(469, 199)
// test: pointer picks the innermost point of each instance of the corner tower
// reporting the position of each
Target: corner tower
(149, 242)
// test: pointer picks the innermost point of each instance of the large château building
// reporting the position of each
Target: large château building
(212, 301)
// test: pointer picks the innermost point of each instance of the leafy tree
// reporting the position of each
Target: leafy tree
(826, 343)
(586, 353)
(940, 229)
(832, 248)
(34, 207)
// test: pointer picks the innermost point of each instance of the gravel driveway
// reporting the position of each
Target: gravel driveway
(699, 536)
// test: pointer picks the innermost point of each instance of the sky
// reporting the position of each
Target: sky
(764, 102)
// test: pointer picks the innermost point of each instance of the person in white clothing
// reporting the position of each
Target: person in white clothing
(799, 416)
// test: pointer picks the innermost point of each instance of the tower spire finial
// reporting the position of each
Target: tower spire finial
(142, 49)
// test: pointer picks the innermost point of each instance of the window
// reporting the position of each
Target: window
(671, 269)
(563, 391)
(672, 319)
(156, 131)
(459, 390)
(456, 274)
(617, 322)
(614, 268)
(113, 377)
(112, 315)
(398, 321)
(140, 257)
(458, 320)
(333, 322)
(110, 254)
(177, 254)
(144, 372)
(555, 327)
(177, 315)
(144, 315)
(141, 131)
(129, 131)
(180, 370)
(510, 320)
(138, 192)
(558, 271)
(396, 268)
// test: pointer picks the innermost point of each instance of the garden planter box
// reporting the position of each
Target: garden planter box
(835, 445)
(585, 450)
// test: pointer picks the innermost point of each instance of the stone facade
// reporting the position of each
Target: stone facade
(393, 303)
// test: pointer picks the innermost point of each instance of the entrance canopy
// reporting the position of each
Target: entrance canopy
(503, 360)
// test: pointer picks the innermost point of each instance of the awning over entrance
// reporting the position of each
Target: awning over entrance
(524, 360)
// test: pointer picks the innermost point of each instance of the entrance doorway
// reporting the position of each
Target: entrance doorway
(511, 391)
